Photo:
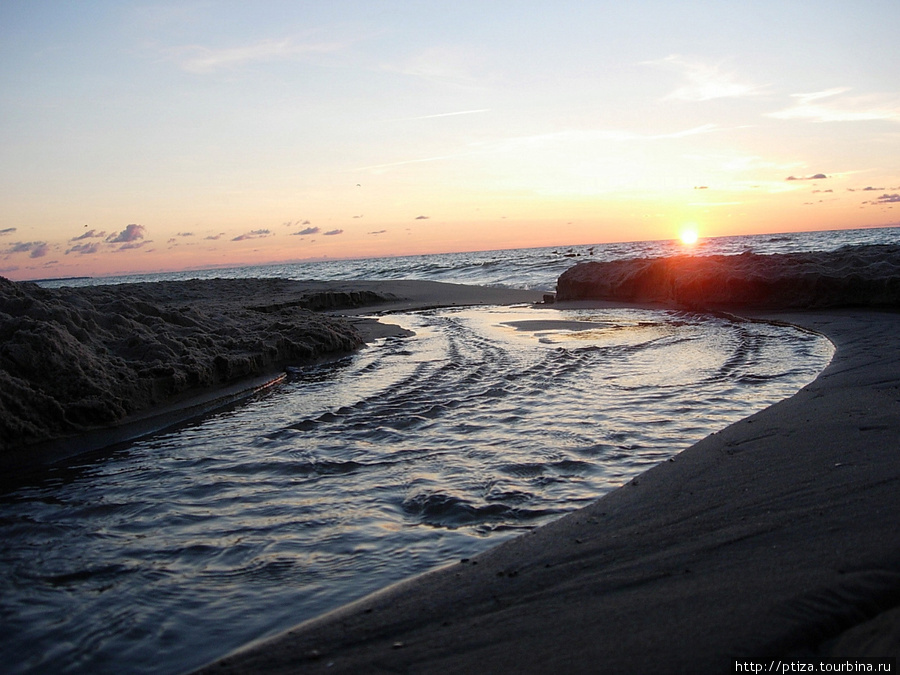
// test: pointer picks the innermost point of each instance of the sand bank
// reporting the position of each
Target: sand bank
(773, 536)
(84, 368)
(863, 276)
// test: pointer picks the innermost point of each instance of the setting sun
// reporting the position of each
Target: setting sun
(689, 234)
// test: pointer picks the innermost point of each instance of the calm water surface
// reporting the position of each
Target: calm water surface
(412, 453)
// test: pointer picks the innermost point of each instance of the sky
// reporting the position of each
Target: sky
(157, 136)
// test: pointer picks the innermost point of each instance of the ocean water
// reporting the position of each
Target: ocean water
(529, 268)
(162, 555)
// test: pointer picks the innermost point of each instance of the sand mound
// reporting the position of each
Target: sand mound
(75, 359)
(865, 276)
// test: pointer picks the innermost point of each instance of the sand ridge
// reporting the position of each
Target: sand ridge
(771, 537)
(775, 536)
(83, 368)
(863, 276)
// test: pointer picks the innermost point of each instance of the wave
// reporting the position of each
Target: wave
(850, 276)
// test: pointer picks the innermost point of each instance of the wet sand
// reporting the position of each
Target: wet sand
(82, 369)
(774, 537)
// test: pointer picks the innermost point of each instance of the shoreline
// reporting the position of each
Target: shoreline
(774, 537)
(211, 343)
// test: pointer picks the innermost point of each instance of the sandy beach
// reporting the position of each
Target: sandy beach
(85, 368)
(773, 538)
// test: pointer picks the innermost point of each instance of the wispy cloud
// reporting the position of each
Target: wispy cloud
(200, 60)
(583, 136)
(90, 234)
(831, 105)
(705, 82)
(253, 234)
(134, 245)
(447, 114)
(306, 231)
(388, 165)
(555, 138)
(84, 249)
(34, 249)
(817, 176)
(7, 230)
(131, 233)
(447, 64)
(332, 233)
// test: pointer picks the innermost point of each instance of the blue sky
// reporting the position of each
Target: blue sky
(149, 136)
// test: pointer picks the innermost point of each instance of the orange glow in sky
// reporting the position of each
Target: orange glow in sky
(149, 137)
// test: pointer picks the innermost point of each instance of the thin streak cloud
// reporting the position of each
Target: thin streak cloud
(705, 82)
(407, 161)
(199, 60)
(831, 106)
(449, 114)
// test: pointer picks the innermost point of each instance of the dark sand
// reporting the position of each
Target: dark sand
(775, 536)
(85, 368)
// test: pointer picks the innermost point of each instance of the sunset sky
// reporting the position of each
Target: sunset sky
(149, 136)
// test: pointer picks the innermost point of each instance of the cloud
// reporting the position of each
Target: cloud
(359, 216)
(883, 199)
(332, 233)
(254, 234)
(90, 234)
(457, 65)
(449, 114)
(306, 231)
(705, 82)
(129, 234)
(831, 106)
(214, 237)
(35, 249)
(201, 60)
(133, 245)
(818, 176)
(872, 189)
(701, 187)
(377, 167)
(84, 249)
(185, 234)
(8, 230)
(378, 232)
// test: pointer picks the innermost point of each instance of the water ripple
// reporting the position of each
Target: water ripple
(359, 472)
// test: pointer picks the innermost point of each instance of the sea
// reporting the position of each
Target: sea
(164, 554)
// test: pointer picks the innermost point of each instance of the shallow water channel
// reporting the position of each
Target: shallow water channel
(414, 452)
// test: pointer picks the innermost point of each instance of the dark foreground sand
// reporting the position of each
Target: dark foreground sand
(85, 368)
(773, 537)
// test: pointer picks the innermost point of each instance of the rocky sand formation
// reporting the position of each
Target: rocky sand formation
(74, 359)
(860, 276)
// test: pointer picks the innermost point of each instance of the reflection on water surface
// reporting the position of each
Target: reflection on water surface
(353, 474)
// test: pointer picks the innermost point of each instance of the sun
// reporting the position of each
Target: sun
(689, 234)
